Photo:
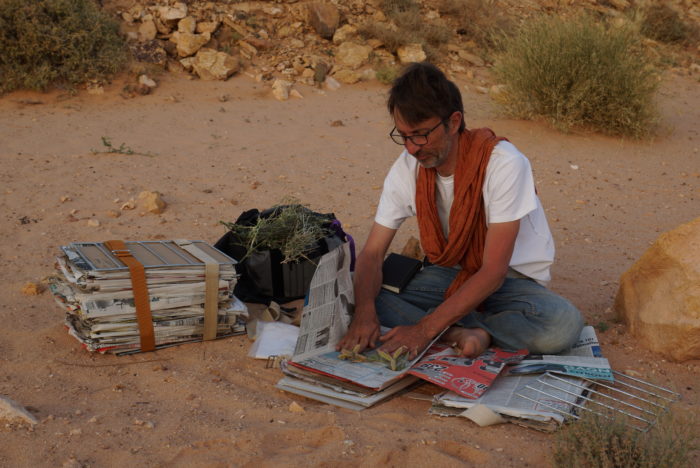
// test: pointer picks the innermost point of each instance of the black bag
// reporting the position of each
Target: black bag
(263, 276)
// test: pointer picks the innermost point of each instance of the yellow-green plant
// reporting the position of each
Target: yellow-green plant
(64, 42)
(579, 72)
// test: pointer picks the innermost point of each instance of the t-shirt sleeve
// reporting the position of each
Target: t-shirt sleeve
(509, 191)
(398, 195)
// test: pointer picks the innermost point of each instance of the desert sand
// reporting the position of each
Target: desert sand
(215, 149)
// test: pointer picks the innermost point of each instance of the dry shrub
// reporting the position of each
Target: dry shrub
(662, 23)
(578, 72)
(67, 42)
(479, 20)
(596, 441)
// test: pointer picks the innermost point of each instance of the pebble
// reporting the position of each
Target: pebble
(93, 222)
(295, 407)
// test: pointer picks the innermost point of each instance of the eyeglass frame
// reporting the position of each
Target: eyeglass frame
(392, 135)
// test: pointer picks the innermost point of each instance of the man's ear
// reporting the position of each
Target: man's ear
(455, 121)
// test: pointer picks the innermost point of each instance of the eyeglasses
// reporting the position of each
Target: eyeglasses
(418, 140)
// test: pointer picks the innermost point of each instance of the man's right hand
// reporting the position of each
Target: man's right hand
(363, 331)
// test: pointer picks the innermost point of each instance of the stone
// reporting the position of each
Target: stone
(295, 407)
(113, 213)
(344, 34)
(211, 65)
(620, 4)
(187, 25)
(471, 58)
(145, 80)
(13, 412)
(173, 14)
(347, 76)
(93, 222)
(152, 202)
(147, 31)
(129, 205)
(331, 83)
(207, 26)
(32, 289)
(411, 53)
(352, 55)
(189, 43)
(324, 18)
(280, 89)
(659, 296)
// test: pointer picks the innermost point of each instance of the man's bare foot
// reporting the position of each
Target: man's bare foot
(471, 342)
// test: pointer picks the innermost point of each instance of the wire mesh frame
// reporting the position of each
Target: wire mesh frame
(638, 402)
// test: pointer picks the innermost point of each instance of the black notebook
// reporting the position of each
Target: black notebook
(398, 270)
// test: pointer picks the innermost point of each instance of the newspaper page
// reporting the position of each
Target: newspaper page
(329, 306)
(467, 377)
(584, 359)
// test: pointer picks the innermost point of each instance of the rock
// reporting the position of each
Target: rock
(295, 407)
(113, 213)
(173, 14)
(152, 202)
(187, 25)
(619, 4)
(659, 296)
(411, 53)
(280, 89)
(147, 31)
(331, 83)
(32, 289)
(207, 26)
(210, 64)
(145, 80)
(72, 462)
(129, 205)
(471, 58)
(93, 222)
(324, 18)
(189, 43)
(12, 412)
(295, 94)
(344, 34)
(352, 55)
(347, 76)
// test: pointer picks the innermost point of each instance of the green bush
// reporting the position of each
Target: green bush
(63, 42)
(578, 72)
(597, 442)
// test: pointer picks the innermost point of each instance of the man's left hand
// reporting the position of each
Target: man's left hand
(413, 337)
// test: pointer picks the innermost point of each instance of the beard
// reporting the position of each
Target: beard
(433, 158)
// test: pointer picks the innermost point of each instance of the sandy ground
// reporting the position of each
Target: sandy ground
(216, 149)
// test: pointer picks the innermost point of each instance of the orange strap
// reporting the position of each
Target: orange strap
(140, 289)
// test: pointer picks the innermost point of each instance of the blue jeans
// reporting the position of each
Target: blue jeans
(520, 314)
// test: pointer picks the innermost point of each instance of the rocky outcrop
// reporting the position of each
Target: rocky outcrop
(659, 296)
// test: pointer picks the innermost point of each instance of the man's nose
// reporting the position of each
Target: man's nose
(411, 147)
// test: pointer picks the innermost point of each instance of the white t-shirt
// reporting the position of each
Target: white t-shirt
(509, 195)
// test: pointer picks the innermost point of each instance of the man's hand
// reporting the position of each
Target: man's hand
(363, 331)
(413, 337)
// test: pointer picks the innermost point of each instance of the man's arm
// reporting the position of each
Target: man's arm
(364, 329)
(498, 250)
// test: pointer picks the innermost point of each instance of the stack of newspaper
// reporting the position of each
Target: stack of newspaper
(94, 286)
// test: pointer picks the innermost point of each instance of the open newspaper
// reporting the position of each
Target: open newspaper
(94, 288)
(517, 396)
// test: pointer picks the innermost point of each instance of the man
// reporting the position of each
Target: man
(481, 225)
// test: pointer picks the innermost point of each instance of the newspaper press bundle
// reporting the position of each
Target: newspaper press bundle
(125, 297)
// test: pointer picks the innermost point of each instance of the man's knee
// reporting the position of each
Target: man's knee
(559, 332)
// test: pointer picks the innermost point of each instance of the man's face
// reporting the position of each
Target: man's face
(436, 151)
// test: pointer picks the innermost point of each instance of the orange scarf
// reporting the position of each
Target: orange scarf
(467, 223)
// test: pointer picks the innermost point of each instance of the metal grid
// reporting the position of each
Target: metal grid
(637, 402)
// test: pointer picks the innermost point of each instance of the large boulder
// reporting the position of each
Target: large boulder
(659, 296)
(324, 18)
(352, 55)
(210, 64)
